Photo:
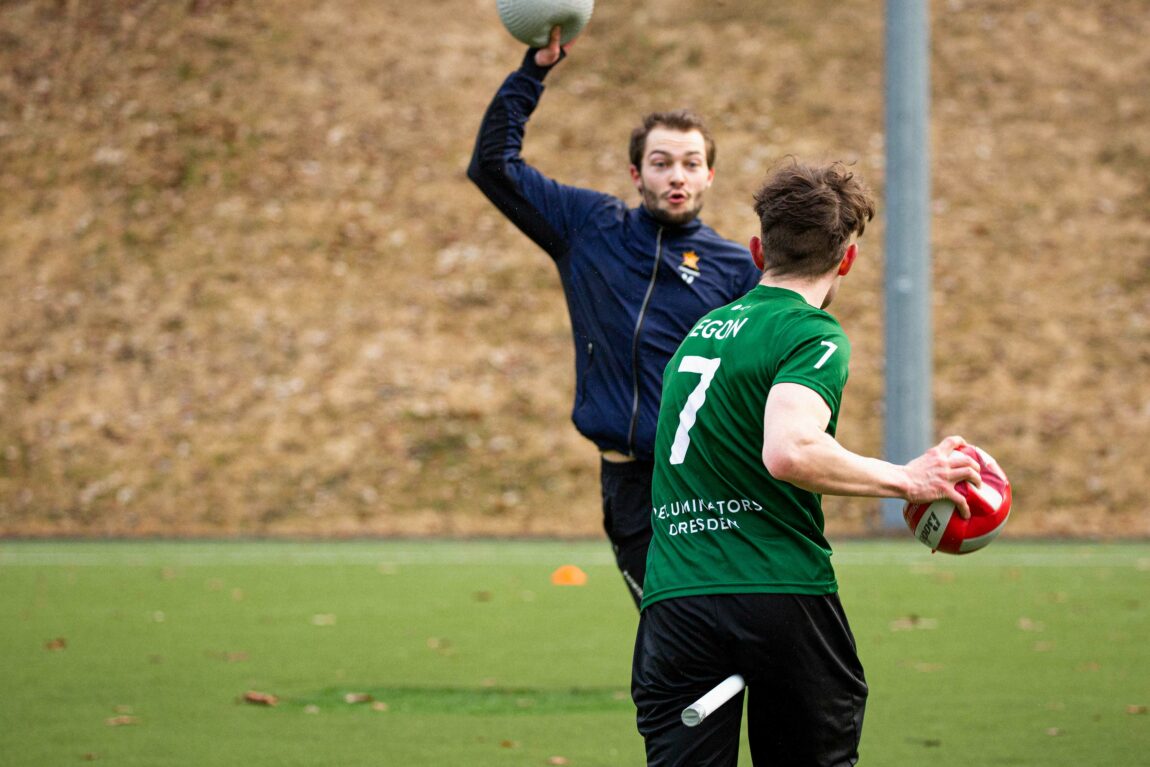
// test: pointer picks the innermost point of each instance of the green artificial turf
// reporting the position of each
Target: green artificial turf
(449, 653)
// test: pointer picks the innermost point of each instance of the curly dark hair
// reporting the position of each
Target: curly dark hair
(808, 215)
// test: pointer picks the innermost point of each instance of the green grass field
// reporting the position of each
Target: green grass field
(456, 653)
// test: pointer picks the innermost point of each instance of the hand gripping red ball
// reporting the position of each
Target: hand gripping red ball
(938, 526)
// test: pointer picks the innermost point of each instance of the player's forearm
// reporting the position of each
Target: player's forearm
(818, 463)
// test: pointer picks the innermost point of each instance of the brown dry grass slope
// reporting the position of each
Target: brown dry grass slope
(247, 289)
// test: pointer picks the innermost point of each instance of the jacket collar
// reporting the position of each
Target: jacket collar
(652, 224)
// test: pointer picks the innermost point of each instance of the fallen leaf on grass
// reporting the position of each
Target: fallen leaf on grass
(260, 698)
(440, 645)
(508, 744)
(57, 644)
(911, 622)
(558, 760)
(1136, 709)
(121, 721)
(357, 697)
(379, 705)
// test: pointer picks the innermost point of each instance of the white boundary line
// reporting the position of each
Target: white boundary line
(324, 553)
(550, 553)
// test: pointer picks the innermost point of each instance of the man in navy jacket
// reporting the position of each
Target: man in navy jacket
(635, 278)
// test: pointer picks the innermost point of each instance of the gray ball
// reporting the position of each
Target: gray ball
(530, 21)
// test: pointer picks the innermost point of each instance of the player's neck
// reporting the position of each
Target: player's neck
(814, 291)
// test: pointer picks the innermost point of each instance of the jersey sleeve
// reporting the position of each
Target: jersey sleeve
(817, 357)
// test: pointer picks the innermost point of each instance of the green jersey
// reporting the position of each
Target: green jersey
(721, 523)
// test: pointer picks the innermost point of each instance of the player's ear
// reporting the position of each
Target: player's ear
(636, 178)
(848, 259)
(757, 252)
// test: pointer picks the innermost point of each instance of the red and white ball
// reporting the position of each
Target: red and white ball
(937, 524)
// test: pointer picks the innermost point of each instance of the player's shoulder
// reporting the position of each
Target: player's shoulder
(720, 243)
(590, 207)
(813, 322)
(804, 312)
(786, 313)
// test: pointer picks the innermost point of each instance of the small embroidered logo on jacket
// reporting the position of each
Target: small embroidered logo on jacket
(689, 269)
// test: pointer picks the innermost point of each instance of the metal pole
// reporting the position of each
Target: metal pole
(907, 286)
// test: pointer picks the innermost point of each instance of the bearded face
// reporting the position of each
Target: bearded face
(674, 176)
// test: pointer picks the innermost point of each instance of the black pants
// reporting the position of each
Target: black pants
(805, 687)
(626, 491)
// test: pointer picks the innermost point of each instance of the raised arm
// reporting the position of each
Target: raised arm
(534, 203)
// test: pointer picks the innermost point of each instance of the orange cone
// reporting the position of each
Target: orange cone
(569, 575)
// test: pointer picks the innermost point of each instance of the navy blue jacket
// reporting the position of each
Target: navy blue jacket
(634, 286)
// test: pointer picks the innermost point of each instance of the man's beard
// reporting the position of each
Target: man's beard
(665, 217)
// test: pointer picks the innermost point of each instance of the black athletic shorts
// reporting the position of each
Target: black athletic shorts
(805, 687)
(626, 490)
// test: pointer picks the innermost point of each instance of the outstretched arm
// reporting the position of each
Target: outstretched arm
(531, 201)
(797, 449)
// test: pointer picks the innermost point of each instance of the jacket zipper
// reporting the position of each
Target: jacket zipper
(635, 344)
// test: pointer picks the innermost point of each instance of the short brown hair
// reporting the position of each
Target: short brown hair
(808, 215)
(681, 120)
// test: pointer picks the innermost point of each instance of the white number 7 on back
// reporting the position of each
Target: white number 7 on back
(705, 367)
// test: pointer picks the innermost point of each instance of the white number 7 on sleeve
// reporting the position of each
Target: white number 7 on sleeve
(832, 347)
(705, 367)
